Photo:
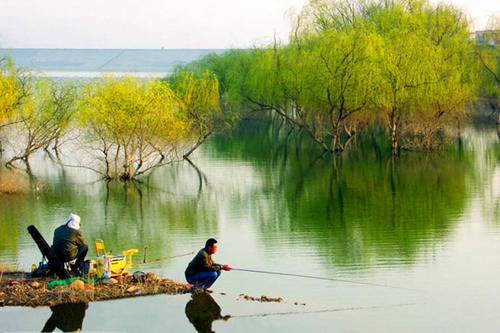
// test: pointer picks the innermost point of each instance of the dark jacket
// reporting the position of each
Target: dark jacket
(67, 317)
(66, 242)
(202, 262)
(201, 311)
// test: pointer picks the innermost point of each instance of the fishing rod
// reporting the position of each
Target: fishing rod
(144, 261)
(319, 278)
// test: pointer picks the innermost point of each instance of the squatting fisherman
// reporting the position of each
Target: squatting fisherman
(68, 242)
(202, 271)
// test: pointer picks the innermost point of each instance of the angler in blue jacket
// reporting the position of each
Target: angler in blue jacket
(202, 271)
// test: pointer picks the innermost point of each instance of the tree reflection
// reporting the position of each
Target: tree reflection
(365, 207)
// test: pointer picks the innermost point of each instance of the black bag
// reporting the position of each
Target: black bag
(43, 269)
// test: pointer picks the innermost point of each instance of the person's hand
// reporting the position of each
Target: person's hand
(226, 267)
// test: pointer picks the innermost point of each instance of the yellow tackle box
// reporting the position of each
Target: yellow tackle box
(116, 265)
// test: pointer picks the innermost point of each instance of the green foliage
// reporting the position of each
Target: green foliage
(136, 124)
(351, 65)
(15, 86)
(488, 55)
(41, 118)
(198, 102)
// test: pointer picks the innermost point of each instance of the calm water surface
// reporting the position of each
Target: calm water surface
(428, 222)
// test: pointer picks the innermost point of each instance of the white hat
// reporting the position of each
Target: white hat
(73, 221)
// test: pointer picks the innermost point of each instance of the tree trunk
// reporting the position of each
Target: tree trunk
(498, 129)
(337, 145)
(394, 134)
(126, 166)
(200, 141)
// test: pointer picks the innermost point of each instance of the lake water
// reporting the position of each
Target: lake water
(427, 222)
(92, 63)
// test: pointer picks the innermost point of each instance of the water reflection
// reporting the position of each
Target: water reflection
(66, 317)
(364, 208)
(202, 310)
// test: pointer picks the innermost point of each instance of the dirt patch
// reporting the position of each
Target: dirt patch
(22, 291)
(12, 182)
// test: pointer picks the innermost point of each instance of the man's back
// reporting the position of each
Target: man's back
(202, 262)
(66, 242)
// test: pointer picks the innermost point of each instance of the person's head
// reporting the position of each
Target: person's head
(73, 221)
(211, 245)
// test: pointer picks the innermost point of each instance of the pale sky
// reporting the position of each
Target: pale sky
(161, 23)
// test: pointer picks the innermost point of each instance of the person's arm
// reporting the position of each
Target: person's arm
(208, 264)
(79, 241)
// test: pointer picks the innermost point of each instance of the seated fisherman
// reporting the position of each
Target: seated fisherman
(68, 242)
(202, 271)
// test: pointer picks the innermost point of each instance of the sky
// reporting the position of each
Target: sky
(184, 24)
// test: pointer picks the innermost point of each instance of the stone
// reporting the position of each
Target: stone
(77, 285)
(133, 289)
(107, 281)
(152, 277)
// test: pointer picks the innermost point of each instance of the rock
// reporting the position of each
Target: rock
(35, 285)
(296, 303)
(2, 302)
(107, 281)
(152, 277)
(77, 285)
(133, 289)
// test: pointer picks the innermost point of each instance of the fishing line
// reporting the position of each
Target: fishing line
(321, 311)
(319, 278)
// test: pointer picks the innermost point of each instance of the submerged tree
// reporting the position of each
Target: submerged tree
(352, 65)
(488, 54)
(41, 118)
(197, 98)
(136, 125)
(15, 87)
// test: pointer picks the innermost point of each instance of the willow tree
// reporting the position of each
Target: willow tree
(488, 54)
(422, 68)
(403, 63)
(15, 87)
(342, 81)
(197, 103)
(38, 121)
(447, 99)
(134, 125)
(7, 92)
